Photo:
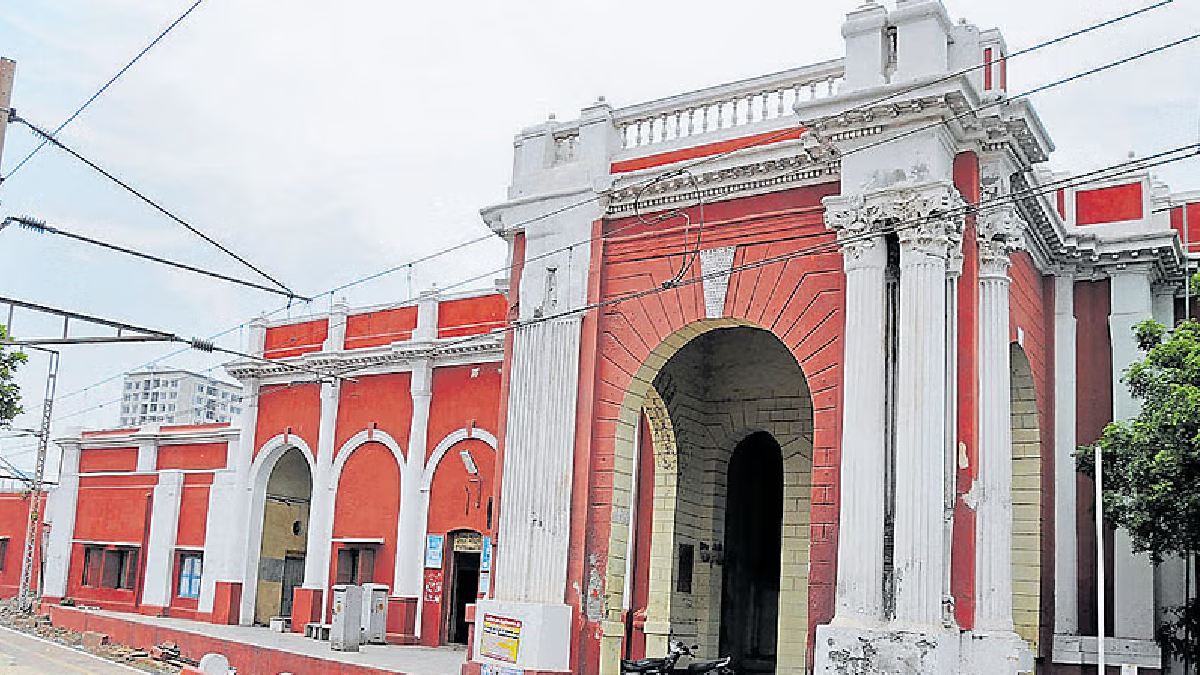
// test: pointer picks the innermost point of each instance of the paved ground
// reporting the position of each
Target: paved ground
(410, 660)
(22, 654)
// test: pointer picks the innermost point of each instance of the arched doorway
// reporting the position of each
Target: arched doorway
(1026, 499)
(730, 417)
(750, 583)
(284, 540)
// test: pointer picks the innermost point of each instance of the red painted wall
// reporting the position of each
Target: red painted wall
(706, 150)
(962, 552)
(1193, 229)
(94, 460)
(14, 519)
(191, 456)
(382, 400)
(193, 510)
(1093, 391)
(471, 316)
(295, 339)
(110, 509)
(457, 501)
(1109, 204)
(368, 506)
(800, 300)
(295, 406)
(463, 400)
(384, 327)
(1031, 309)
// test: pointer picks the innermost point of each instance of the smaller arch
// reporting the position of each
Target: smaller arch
(270, 451)
(444, 445)
(260, 473)
(357, 441)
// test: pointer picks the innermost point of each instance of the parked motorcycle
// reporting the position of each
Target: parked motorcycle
(666, 665)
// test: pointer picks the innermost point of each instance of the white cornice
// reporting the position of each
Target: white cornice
(394, 358)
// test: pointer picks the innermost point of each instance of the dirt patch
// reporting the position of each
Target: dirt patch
(39, 625)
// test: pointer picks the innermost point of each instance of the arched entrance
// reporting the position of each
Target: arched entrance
(731, 423)
(750, 583)
(1026, 499)
(283, 544)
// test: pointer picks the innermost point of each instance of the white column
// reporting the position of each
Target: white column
(1066, 555)
(60, 516)
(160, 541)
(921, 412)
(411, 528)
(1133, 575)
(860, 531)
(535, 518)
(147, 448)
(320, 509)
(993, 514)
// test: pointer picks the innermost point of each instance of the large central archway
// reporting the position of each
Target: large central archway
(722, 400)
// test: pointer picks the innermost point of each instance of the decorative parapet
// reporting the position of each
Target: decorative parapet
(734, 104)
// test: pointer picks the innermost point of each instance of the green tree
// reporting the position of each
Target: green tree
(1152, 463)
(10, 393)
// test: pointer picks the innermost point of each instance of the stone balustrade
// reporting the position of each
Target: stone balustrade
(733, 104)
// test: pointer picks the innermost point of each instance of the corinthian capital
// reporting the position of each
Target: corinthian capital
(999, 229)
(929, 218)
(854, 222)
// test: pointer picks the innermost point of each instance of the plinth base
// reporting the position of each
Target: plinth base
(853, 650)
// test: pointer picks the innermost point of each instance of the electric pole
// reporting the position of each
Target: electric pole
(8, 69)
(34, 532)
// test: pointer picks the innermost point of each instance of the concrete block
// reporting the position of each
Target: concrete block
(94, 640)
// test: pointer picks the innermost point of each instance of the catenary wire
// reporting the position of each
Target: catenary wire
(40, 227)
(490, 236)
(833, 244)
(91, 99)
(148, 201)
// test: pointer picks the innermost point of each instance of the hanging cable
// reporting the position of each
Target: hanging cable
(40, 227)
(148, 201)
(137, 57)
(860, 107)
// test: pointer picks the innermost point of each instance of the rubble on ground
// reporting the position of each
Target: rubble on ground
(39, 625)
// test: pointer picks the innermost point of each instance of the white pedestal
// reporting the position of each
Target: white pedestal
(539, 635)
(860, 651)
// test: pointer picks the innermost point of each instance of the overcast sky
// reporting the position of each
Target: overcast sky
(327, 140)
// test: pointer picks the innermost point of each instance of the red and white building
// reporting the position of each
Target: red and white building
(823, 424)
(323, 480)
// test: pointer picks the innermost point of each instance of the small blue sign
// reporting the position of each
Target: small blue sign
(434, 545)
(485, 557)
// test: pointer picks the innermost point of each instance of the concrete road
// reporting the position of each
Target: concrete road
(22, 654)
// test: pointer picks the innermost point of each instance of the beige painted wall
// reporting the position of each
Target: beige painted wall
(290, 478)
(1027, 499)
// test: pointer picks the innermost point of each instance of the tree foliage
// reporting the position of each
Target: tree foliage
(1152, 462)
(10, 393)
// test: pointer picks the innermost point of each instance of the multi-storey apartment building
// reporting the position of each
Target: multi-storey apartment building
(177, 397)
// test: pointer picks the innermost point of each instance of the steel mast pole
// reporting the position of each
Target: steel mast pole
(34, 531)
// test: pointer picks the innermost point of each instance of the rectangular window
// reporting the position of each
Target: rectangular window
(686, 562)
(92, 556)
(109, 567)
(356, 565)
(3, 552)
(189, 574)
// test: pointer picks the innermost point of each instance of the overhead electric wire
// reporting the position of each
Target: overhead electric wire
(137, 57)
(148, 333)
(831, 245)
(790, 130)
(909, 132)
(40, 227)
(147, 200)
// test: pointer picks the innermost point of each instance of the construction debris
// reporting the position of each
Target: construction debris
(96, 643)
